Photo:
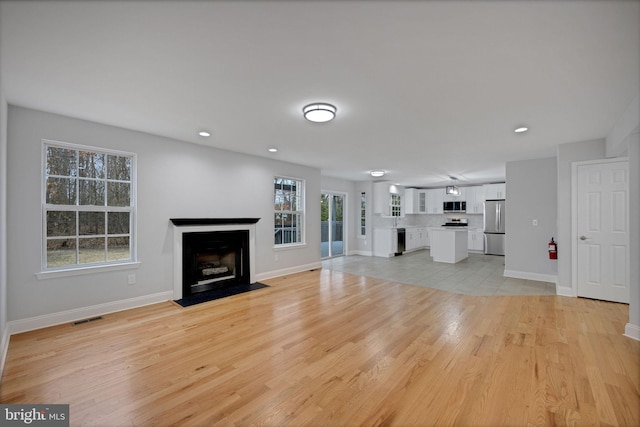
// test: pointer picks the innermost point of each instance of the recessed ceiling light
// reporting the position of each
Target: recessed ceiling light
(521, 129)
(377, 173)
(319, 112)
(273, 150)
(204, 133)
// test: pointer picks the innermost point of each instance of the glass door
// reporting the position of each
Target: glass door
(332, 225)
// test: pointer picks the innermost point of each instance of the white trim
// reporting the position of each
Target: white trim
(359, 252)
(4, 348)
(566, 291)
(289, 270)
(178, 231)
(632, 331)
(86, 270)
(44, 321)
(531, 276)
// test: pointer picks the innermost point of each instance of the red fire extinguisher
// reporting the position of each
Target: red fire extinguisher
(553, 249)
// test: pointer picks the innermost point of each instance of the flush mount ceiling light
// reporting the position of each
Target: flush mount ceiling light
(319, 112)
(273, 150)
(521, 129)
(377, 173)
(204, 133)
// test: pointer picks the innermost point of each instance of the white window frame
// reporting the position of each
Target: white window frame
(362, 226)
(300, 213)
(73, 269)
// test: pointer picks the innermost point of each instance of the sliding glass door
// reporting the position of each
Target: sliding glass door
(332, 225)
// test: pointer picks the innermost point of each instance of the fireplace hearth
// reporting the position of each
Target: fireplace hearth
(212, 255)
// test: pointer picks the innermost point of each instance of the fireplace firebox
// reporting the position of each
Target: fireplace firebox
(213, 260)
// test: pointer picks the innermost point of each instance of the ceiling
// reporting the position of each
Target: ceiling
(424, 89)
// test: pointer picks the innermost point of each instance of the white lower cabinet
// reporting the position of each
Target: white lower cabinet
(416, 238)
(385, 242)
(476, 240)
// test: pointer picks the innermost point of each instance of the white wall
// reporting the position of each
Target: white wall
(175, 179)
(531, 195)
(4, 333)
(567, 154)
(624, 139)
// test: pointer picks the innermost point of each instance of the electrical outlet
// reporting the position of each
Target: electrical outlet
(276, 257)
(131, 279)
(534, 222)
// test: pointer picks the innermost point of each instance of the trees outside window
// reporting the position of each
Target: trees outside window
(88, 206)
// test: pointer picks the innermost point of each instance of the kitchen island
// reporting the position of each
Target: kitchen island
(449, 244)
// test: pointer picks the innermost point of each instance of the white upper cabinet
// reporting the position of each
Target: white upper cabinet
(435, 198)
(495, 191)
(388, 199)
(415, 201)
(475, 199)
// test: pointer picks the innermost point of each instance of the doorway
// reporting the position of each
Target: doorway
(601, 233)
(332, 229)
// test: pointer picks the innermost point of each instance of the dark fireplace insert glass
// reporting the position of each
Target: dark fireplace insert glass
(214, 260)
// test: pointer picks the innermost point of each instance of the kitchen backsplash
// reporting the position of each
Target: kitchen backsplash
(422, 220)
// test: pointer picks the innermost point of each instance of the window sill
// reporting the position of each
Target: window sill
(87, 270)
(290, 246)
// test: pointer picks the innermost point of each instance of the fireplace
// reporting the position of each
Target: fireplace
(212, 253)
(214, 259)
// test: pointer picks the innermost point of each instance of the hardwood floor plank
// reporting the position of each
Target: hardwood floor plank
(334, 349)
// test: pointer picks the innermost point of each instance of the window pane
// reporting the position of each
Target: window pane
(61, 161)
(279, 200)
(91, 165)
(61, 252)
(61, 191)
(60, 223)
(91, 250)
(119, 168)
(118, 248)
(118, 222)
(91, 223)
(91, 192)
(118, 194)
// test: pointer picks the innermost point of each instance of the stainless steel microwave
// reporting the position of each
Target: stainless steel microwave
(454, 207)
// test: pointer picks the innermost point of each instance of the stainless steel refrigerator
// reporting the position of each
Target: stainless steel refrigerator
(494, 227)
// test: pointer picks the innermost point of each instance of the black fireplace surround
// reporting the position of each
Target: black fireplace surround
(213, 260)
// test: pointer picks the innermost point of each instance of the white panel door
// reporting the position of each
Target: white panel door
(603, 231)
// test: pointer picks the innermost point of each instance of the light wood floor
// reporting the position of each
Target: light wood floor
(326, 348)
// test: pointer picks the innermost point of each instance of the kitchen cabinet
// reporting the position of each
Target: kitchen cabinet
(388, 199)
(476, 240)
(449, 244)
(416, 238)
(385, 242)
(435, 198)
(495, 191)
(475, 199)
(415, 201)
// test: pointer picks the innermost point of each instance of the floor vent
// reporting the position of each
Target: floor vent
(81, 322)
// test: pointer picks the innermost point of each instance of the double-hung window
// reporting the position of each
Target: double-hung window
(289, 211)
(88, 206)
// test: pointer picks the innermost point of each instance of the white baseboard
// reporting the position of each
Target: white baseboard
(44, 321)
(632, 331)
(564, 291)
(362, 253)
(4, 347)
(531, 276)
(290, 270)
